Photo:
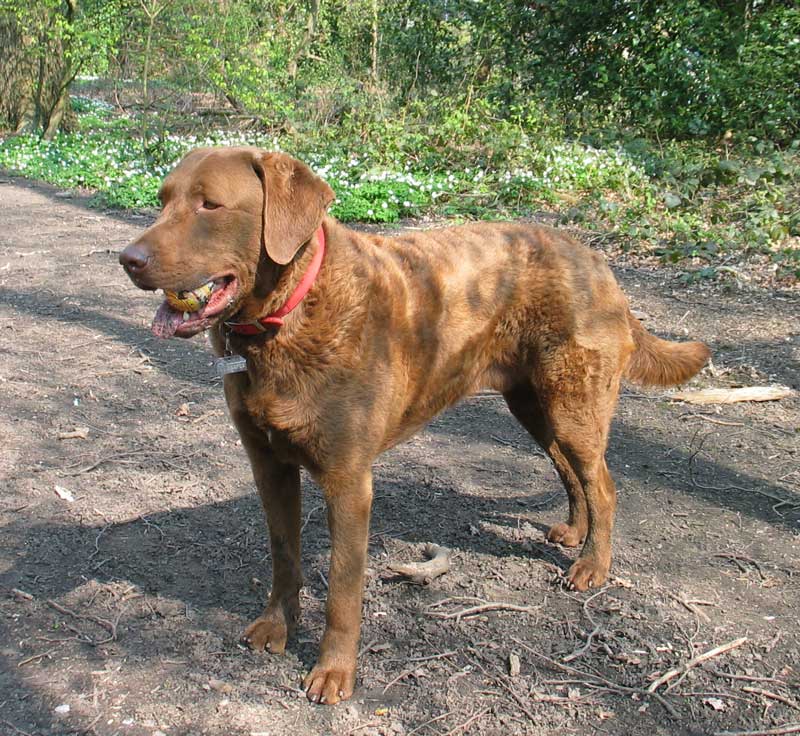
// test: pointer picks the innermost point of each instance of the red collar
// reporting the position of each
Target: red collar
(262, 324)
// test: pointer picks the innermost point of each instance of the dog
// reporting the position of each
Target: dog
(340, 344)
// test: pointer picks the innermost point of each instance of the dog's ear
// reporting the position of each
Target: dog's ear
(295, 201)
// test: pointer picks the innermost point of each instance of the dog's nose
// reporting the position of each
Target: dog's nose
(134, 258)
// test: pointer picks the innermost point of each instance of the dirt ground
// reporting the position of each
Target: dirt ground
(120, 610)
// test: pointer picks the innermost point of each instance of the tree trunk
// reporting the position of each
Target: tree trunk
(374, 49)
(34, 75)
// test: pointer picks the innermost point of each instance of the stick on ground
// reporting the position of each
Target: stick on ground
(699, 659)
(422, 573)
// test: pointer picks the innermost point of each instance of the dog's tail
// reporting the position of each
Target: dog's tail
(657, 362)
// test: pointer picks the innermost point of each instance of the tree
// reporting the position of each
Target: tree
(45, 45)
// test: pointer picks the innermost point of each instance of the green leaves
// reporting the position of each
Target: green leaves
(681, 201)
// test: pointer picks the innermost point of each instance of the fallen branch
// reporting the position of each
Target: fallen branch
(422, 573)
(692, 663)
(733, 395)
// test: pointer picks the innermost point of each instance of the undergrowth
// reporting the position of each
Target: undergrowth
(686, 202)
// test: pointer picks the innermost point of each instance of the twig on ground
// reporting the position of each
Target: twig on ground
(17, 730)
(689, 606)
(401, 676)
(97, 542)
(454, 599)
(772, 696)
(743, 558)
(468, 722)
(713, 420)
(724, 489)
(692, 663)
(35, 657)
(748, 678)
(422, 573)
(308, 517)
(779, 731)
(594, 632)
(432, 720)
(612, 686)
(503, 681)
(368, 724)
(485, 607)
(502, 441)
(110, 627)
(443, 655)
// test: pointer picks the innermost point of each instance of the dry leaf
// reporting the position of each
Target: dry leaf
(715, 703)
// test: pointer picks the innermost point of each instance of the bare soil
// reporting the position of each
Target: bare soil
(126, 603)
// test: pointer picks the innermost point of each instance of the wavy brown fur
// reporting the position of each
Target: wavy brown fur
(393, 331)
(657, 362)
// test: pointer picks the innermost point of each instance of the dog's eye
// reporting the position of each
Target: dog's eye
(210, 205)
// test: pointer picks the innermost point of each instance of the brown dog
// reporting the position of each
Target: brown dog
(390, 332)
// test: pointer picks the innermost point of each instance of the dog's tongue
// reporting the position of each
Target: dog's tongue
(166, 321)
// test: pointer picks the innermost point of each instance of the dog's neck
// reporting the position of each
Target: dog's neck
(279, 289)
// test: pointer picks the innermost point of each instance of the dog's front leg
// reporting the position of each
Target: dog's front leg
(279, 487)
(349, 499)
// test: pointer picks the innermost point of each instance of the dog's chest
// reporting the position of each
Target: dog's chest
(288, 422)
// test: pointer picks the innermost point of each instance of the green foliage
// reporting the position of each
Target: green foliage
(669, 123)
(687, 202)
(682, 69)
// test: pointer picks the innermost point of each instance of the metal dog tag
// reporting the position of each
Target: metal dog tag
(230, 364)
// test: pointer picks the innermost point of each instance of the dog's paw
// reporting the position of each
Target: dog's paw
(266, 633)
(565, 534)
(587, 572)
(329, 685)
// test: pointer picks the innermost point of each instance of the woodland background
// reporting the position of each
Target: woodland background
(671, 128)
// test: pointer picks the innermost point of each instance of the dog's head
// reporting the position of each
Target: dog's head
(225, 211)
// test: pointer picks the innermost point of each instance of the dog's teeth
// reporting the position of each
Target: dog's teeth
(185, 316)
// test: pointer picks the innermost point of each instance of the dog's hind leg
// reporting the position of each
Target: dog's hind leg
(567, 407)
(525, 406)
(578, 387)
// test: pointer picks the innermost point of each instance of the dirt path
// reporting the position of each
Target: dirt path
(134, 594)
